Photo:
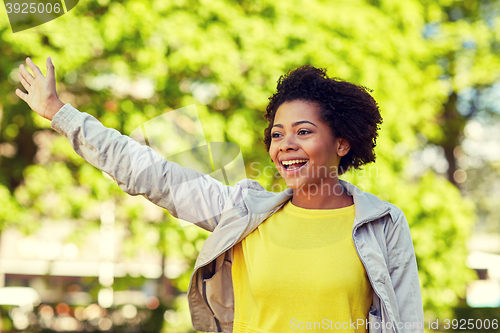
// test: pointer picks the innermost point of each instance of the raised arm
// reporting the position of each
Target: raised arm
(137, 169)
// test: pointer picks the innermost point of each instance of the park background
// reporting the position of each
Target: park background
(100, 260)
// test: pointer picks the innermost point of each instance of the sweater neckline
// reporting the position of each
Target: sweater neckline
(291, 209)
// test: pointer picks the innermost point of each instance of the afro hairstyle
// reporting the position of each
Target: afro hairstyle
(348, 109)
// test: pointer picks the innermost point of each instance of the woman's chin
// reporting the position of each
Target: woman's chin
(294, 184)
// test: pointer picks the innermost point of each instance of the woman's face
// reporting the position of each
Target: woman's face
(302, 146)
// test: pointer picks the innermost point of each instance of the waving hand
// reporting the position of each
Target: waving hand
(42, 95)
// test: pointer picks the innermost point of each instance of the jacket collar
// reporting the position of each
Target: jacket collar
(367, 207)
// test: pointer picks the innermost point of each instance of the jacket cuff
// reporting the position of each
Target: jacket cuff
(61, 122)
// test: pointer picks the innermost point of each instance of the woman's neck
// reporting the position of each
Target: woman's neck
(322, 197)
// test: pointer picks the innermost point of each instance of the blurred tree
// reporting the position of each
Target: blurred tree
(467, 44)
(465, 40)
(126, 62)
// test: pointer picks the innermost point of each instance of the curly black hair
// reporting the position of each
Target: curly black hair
(348, 109)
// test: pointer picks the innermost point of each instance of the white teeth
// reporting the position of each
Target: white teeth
(290, 162)
(293, 161)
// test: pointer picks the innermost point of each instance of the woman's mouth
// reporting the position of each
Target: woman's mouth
(293, 166)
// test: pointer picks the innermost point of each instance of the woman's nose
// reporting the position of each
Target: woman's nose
(288, 144)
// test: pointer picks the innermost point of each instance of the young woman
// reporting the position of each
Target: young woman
(320, 255)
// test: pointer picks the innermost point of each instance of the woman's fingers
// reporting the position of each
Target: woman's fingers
(50, 70)
(26, 75)
(25, 83)
(22, 95)
(34, 68)
(41, 93)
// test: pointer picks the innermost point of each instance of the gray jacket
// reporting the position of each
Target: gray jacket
(380, 231)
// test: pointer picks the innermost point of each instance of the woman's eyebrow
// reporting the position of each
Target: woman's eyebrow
(296, 123)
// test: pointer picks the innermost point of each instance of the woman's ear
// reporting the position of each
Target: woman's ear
(342, 147)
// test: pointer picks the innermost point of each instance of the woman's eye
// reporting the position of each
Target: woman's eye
(275, 135)
(304, 132)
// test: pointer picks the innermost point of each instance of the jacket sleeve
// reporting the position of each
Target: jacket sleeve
(403, 271)
(137, 169)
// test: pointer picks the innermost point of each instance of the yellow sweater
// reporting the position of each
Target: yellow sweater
(298, 271)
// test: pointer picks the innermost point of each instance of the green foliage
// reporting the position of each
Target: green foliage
(10, 210)
(235, 51)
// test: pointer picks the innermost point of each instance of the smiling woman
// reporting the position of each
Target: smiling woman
(347, 109)
(322, 251)
(328, 123)
(313, 259)
(305, 152)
